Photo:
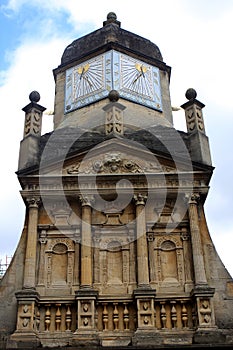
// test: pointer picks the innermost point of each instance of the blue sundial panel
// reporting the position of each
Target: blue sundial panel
(92, 80)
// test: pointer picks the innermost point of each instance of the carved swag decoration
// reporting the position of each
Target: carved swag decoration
(115, 162)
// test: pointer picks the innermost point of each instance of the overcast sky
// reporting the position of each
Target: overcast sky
(195, 39)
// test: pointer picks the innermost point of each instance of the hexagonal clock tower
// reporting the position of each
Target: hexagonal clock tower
(115, 250)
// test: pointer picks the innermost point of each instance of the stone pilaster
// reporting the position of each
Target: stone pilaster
(187, 258)
(152, 264)
(76, 277)
(31, 247)
(41, 268)
(198, 259)
(202, 293)
(142, 249)
(144, 295)
(86, 243)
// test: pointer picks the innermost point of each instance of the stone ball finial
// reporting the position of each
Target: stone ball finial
(113, 95)
(34, 96)
(191, 94)
(111, 16)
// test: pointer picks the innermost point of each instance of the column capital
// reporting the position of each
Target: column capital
(140, 199)
(33, 202)
(192, 198)
(185, 236)
(43, 240)
(150, 236)
(86, 200)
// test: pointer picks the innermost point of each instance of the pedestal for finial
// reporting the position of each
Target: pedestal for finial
(111, 18)
(114, 123)
(199, 143)
(29, 146)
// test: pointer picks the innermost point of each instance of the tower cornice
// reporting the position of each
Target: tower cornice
(112, 46)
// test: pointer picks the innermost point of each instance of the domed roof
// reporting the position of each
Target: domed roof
(110, 36)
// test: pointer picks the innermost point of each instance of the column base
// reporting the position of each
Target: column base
(155, 338)
(56, 339)
(87, 338)
(115, 338)
(86, 292)
(144, 290)
(209, 336)
(24, 340)
(203, 290)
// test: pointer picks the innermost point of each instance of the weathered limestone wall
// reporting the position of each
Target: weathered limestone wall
(218, 277)
(10, 283)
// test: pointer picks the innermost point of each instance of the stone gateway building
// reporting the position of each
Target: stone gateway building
(115, 251)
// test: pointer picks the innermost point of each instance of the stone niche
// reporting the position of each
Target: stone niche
(56, 268)
(113, 260)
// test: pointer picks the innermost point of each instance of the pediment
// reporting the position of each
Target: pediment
(115, 156)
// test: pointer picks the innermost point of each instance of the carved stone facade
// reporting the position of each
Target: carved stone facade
(115, 250)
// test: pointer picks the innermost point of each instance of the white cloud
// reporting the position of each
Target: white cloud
(30, 69)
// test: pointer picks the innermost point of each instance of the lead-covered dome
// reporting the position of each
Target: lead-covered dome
(110, 36)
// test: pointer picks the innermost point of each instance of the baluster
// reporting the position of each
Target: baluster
(173, 315)
(38, 319)
(68, 318)
(155, 315)
(163, 315)
(194, 316)
(184, 315)
(105, 317)
(96, 316)
(135, 319)
(116, 317)
(58, 318)
(47, 317)
(126, 317)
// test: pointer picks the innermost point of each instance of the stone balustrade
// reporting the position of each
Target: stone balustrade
(113, 315)
(55, 317)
